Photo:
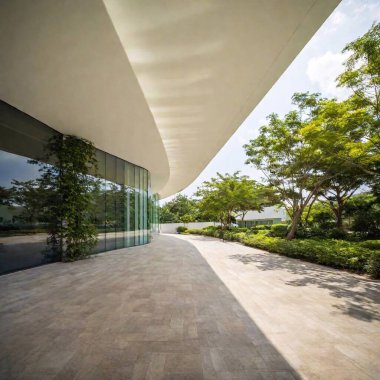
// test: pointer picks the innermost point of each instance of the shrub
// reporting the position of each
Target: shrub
(278, 230)
(336, 233)
(210, 228)
(331, 252)
(195, 231)
(239, 229)
(260, 227)
(181, 229)
(373, 266)
(371, 244)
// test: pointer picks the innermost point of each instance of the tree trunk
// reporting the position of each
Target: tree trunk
(295, 220)
(338, 212)
(339, 217)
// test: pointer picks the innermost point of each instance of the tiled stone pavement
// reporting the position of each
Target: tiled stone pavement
(324, 322)
(188, 308)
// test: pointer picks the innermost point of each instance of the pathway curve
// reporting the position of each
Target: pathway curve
(188, 307)
(324, 322)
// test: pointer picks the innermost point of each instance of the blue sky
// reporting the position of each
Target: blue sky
(314, 69)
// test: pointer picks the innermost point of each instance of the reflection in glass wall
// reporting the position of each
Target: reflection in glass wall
(100, 202)
(124, 208)
(23, 222)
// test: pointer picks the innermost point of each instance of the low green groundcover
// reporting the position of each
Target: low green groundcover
(363, 257)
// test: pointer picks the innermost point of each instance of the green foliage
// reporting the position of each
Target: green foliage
(166, 216)
(181, 209)
(181, 229)
(291, 163)
(198, 231)
(279, 230)
(336, 233)
(230, 194)
(373, 266)
(371, 244)
(325, 148)
(319, 216)
(260, 227)
(362, 71)
(364, 209)
(32, 196)
(340, 131)
(330, 252)
(70, 193)
(362, 77)
(5, 195)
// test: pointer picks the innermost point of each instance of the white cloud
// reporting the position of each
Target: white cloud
(322, 72)
(335, 21)
(370, 8)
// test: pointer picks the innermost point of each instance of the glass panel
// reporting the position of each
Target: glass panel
(141, 225)
(23, 220)
(132, 205)
(119, 203)
(145, 206)
(127, 224)
(137, 206)
(100, 203)
(111, 195)
(124, 213)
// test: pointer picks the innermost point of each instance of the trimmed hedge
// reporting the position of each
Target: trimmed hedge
(181, 229)
(371, 244)
(330, 252)
(279, 230)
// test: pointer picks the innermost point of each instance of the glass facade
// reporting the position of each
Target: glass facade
(124, 211)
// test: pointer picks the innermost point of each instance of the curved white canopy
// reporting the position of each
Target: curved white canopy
(162, 84)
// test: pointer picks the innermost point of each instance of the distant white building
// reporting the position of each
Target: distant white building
(270, 215)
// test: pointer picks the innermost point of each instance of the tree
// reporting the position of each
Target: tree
(289, 162)
(32, 197)
(166, 216)
(65, 176)
(338, 130)
(319, 215)
(5, 195)
(229, 194)
(181, 209)
(256, 198)
(364, 210)
(362, 77)
(362, 73)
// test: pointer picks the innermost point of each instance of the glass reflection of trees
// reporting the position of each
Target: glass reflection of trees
(123, 207)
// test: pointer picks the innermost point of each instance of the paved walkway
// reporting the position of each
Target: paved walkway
(188, 307)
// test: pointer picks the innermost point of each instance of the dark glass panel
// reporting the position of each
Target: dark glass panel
(111, 196)
(132, 205)
(145, 206)
(120, 193)
(24, 221)
(124, 210)
(137, 205)
(100, 202)
(126, 205)
(141, 225)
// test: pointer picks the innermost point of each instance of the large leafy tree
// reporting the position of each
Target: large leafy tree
(227, 195)
(181, 209)
(33, 198)
(338, 130)
(362, 77)
(288, 161)
(362, 73)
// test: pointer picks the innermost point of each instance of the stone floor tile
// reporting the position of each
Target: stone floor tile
(188, 307)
